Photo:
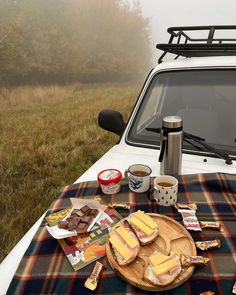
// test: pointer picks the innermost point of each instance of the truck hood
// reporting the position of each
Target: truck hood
(122, 156)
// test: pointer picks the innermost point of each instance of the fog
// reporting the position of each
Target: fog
(172, 13)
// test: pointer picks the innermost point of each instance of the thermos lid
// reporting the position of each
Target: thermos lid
(172, 122)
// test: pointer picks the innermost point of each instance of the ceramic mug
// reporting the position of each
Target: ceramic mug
(165, 190)
(139, 177)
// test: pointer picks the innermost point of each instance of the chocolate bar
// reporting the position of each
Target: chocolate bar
(211, 225)
(84, 209)
(92, 280)
(234, 288)
(191, 206)
(193, 260)
(205, 245)
(190, 219)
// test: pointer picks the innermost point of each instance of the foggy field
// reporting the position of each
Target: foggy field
(49, 137)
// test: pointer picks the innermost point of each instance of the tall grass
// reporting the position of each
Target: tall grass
(49, 137)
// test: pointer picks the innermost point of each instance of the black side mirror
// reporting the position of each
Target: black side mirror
(111, 121)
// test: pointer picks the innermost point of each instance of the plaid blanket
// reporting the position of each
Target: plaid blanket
(44, 269)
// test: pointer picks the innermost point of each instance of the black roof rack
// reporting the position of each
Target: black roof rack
(182, 43)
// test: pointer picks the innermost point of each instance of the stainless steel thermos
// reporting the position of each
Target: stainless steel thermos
(171, 139)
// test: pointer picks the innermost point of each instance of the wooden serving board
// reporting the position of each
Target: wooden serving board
(172, 236)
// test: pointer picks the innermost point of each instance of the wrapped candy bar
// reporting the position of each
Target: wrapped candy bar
(92, 280)
(205, 245)
(211, 225)
(234, 288)
(119, 206)
(193, 260)
(190, 219)
(191, 206)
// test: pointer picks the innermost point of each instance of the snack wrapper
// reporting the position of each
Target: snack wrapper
(119, 206)
(92, 280)
(234, 288)
(205, 245)
(190, 219)
(191, 206)
(211, 225)
(193, 260)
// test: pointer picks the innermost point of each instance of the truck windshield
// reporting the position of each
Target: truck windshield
(204, 99)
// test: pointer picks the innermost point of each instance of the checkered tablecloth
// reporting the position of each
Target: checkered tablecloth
(44, 269)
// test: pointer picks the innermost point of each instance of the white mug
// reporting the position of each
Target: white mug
(165, 190)
(139, 177)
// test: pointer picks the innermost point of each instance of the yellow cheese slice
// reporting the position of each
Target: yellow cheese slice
(165, 267)
(120, 247)
(127, 237)
(142, 226)
(158, 258)
(146, 219)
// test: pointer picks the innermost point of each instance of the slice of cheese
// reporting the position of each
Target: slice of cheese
(120, 247)
(164, 267)
(146, 219)
(158, 258)
(141, 226)
(127, 237)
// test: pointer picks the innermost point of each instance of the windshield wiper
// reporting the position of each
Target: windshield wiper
(188, 137)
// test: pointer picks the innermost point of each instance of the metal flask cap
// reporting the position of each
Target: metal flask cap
(172, 122)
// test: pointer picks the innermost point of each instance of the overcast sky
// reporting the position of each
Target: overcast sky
(169, 13)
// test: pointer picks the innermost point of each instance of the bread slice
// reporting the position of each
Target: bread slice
(144, 226)
(164, 273)
(125, 245)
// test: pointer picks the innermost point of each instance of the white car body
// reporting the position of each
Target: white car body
(123, 155)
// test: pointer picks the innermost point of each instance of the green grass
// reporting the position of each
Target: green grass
(49, 137)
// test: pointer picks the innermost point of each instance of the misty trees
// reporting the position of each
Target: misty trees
(72, 40)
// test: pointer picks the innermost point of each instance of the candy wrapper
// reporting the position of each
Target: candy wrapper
(92, 280)
(191, 206)
(211, 225)
(190, 219)
(119, 206)
(234, 288)
(206, 245)
(193, 260)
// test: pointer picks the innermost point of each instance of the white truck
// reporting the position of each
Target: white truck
(200, 87)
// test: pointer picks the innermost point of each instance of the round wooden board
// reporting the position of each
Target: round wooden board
(172, 236)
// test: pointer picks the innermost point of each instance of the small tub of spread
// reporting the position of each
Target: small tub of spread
(109, 180)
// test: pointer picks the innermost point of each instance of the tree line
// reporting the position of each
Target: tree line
(48, 41)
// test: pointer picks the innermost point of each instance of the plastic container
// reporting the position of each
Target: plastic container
(109, 180)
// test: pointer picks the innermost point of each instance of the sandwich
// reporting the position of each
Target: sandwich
(162, 270)
(144, 226)
(125, 245)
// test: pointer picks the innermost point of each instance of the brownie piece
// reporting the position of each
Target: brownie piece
(74, 212)
(63, 224)
(82, 227)
(87, 219)
(79, 213)
(72, 224)
(69, 219)
(84, 209)
(93, 212)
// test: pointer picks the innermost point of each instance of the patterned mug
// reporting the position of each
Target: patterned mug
(165, 190)
(139, 177)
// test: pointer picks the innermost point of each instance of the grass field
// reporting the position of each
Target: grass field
(49, 137)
